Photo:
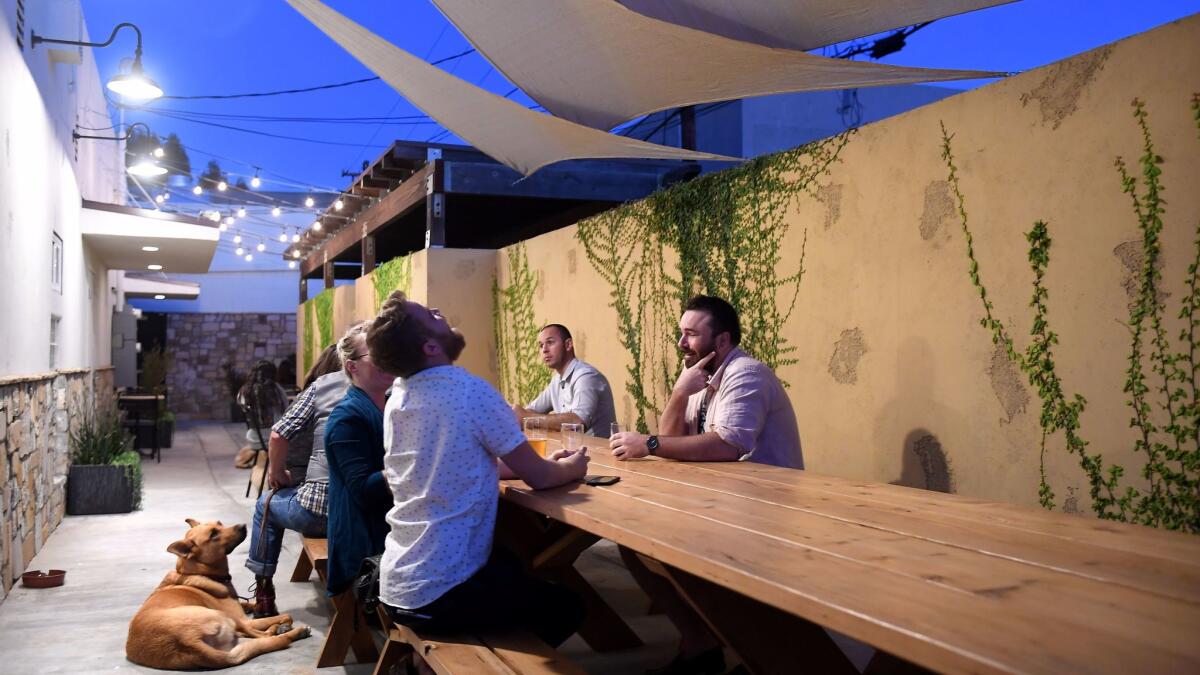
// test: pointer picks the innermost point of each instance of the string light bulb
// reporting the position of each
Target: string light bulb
(228, 220)
(197, 190)
(241, 212)
(222, 227)
(317, 225)
(296, 254)
(308, 201)
(166, 196)
(283, 237)
(256, 181)
(262, 246)
(291, 264)
(214, 216)
(222, 186)
(237, 238)
(158, 199)
(239, 250)
(338, 205)
(295, 236)
(249, 257)
(276, 211)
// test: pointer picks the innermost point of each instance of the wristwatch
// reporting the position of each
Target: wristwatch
(652, 445)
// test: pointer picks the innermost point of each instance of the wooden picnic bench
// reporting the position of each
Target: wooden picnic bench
(506, 652)
(953, 584)
(347, 628)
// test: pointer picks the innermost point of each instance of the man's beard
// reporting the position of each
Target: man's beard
(691, 358)
(453, 344)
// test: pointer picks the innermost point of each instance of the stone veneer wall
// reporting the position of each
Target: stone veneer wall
(36, 415)
(200, 344)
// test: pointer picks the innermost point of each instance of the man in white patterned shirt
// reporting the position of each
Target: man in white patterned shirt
(449, 437)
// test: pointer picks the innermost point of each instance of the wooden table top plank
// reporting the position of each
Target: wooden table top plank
(1167, 577)
(1082, 528)
(1021, 588)
(927, 623)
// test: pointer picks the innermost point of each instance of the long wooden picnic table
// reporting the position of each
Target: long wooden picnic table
(950, 583)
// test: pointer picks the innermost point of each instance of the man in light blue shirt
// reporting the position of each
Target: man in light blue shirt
(577, 393)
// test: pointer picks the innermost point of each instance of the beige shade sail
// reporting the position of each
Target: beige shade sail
(801, 24)
(507, 131)
(597, 63)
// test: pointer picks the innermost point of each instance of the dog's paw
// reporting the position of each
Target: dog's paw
(282, 628)
(301, 632)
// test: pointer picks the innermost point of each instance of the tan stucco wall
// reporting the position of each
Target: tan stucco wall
(892, 362)
(887, 273)
(344, 314)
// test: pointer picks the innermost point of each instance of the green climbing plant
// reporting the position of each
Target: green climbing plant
(323, 304)
(393, 275)
(520, 373)
(1171, 498)
(723, 235)
(310, 322)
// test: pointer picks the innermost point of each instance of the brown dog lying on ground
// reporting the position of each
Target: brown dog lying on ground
(193, 619)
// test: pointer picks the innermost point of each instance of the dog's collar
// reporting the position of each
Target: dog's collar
(223, 578)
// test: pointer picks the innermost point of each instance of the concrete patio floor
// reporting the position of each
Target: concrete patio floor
(114, 562)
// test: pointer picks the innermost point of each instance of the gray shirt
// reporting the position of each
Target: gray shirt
(582, 390)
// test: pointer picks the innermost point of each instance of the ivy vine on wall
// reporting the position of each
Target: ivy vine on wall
(310, 323)
(520, 373)
(323, 304)
(724, 231)
(1171, 497)
(395, 274)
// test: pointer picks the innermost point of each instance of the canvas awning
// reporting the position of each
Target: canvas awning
(600, 63)
(801, 24)
(507, 131)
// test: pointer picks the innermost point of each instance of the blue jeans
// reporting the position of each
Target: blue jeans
(286, 514)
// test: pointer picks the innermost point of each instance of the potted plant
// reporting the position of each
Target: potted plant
(234, 379)
(155, 364)
(106, 473)
(166, 428)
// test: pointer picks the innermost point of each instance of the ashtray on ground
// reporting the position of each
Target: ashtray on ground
(40, 579)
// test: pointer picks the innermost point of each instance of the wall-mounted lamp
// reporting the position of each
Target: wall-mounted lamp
(134, 84)
(145, 166)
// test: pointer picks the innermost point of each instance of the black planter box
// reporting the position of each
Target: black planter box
(98, 488)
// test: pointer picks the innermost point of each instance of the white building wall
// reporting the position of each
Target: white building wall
(44, 175)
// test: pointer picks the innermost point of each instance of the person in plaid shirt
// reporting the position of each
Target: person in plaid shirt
(297, 502)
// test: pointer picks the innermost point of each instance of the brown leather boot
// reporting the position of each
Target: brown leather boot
(264, 597)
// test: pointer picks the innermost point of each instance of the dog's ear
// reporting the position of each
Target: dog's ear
(192, 522)
(182, 548)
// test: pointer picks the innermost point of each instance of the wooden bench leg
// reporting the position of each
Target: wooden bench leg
(603, 629)
(767, 640)
(304, 567)
(341, 635)
(394, 651)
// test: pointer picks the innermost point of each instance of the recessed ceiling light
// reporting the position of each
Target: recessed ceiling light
(154, 267)
(160, 296)
(150, 249)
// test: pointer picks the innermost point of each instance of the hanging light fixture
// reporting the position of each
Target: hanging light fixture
(159, 152)
(283, 236)
(255, 182)
(197, 190)
(132, 85)
(144, 166)
(308, 201)
(249, 257)
(237, 238)
(239, 250)
(262, 246)
(276, 211)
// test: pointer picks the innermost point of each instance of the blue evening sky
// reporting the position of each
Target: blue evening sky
(240, 46)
